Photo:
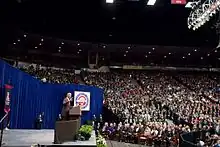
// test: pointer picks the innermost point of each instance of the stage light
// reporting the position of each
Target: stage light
(151, 2)
(189, 5)
(109, 1)
(189, 26)
(202, 12)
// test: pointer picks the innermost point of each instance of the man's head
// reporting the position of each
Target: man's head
(69, 95)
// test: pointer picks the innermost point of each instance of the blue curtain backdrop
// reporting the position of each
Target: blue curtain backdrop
(30, 97)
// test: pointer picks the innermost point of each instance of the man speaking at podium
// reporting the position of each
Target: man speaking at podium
(66, 129)
(66, 106)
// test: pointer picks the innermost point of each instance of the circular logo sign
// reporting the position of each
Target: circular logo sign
(82, 100)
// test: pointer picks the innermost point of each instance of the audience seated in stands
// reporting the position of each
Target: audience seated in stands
(143, 97)
(155, 107)
(52, 75)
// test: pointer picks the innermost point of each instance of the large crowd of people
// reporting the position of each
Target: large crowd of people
(51, 75)
(203, 84)
(155, 107)
(144, 97)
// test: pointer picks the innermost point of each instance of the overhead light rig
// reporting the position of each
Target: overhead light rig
(202, 12)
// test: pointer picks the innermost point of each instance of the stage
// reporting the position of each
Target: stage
(26, 138)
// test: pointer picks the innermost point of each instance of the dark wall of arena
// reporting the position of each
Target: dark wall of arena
(30, 97)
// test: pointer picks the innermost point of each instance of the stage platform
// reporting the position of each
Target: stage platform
(26, 138)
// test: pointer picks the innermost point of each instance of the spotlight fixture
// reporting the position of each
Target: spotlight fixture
(109, 1)
(151, 2)
(202, 12)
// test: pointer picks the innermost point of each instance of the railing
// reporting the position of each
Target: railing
(2, 127)
(184, 140)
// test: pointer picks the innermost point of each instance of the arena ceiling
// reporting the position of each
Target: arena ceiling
(123, 32)
(124, 22)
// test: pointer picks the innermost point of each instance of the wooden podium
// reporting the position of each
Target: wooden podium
(65, 130)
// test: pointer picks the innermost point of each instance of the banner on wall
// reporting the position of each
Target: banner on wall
(82, 99)
(7, 98)
(180, 2)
